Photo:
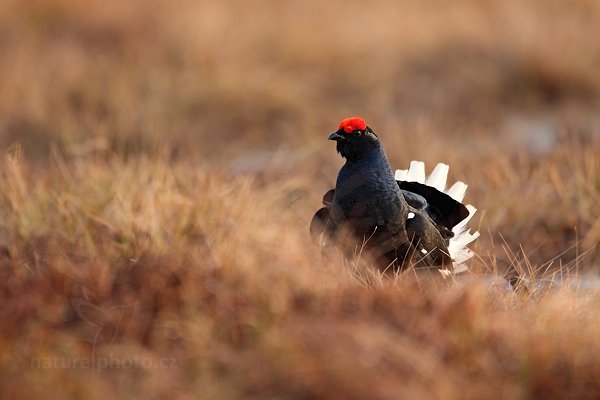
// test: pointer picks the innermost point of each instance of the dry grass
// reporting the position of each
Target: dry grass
(162, 163)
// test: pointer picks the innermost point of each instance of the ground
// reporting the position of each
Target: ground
(162, 161)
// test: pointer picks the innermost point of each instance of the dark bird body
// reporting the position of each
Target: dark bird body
(366, 194)
(369, 208)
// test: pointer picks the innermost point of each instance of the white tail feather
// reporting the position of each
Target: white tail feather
(460, 227)
(438, 177)
(401, 174)
(457, 191)
(460, 258)
(461, 240)
(457, 247)
(416, 172)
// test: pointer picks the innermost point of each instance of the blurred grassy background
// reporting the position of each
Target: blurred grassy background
(503, 91)
(171, 154)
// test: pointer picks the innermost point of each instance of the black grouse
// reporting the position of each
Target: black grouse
(401, 220)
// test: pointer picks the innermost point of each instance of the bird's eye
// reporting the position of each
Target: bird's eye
(356, 132)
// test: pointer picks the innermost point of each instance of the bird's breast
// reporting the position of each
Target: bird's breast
(365, 195)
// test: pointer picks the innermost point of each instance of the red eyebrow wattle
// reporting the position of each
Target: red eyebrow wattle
(352, 124)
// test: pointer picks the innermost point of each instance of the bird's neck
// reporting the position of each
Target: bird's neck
(372, 170)
(374, 156)
(354, 152)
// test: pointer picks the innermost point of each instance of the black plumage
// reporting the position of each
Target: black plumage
(399, 223)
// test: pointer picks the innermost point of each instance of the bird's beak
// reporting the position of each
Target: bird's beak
(336, 136)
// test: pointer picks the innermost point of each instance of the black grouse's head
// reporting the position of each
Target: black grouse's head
(354, 138)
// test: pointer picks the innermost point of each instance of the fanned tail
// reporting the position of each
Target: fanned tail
(458, 245)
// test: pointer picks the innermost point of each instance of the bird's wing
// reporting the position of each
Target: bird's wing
(415, 200)
(428, 244)
(442, 208)
(328, 198)
(318, 226)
